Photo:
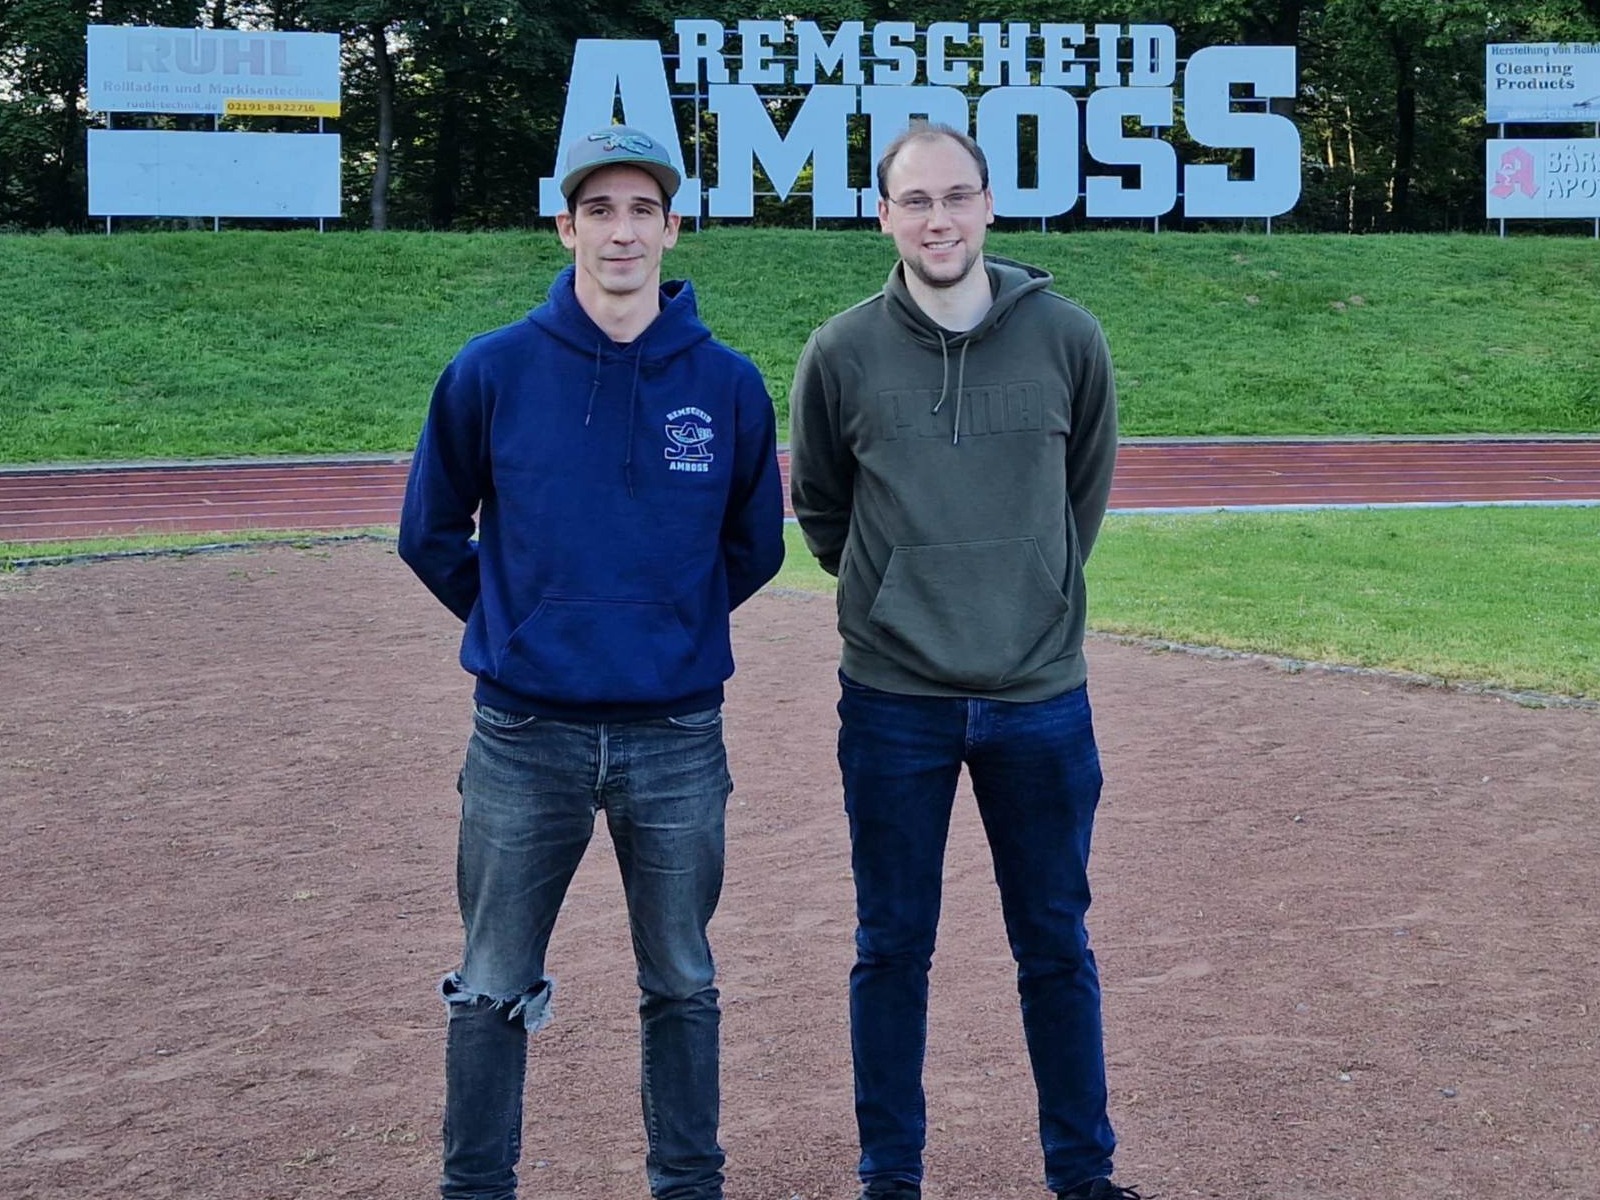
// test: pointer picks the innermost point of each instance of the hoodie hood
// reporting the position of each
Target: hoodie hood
(676, 330)
(1009, 282)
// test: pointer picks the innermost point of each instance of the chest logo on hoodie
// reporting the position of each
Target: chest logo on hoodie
(689, 430)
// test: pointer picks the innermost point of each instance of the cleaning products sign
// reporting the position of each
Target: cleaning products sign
(1543, 82)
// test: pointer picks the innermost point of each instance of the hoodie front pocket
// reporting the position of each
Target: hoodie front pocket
(590, 651)
(970, 614)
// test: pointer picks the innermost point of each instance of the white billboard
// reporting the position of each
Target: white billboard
(1543, 177)
(158, 173)
(146, 69)
(1542, 82)
(1087, 104)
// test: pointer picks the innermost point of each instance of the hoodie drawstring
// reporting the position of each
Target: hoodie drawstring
(595, 387)
(633, 408)
(944, 383)
(961, 380)
(633, 415)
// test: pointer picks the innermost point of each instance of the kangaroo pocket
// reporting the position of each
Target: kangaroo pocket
(970, 614)
(590, 651)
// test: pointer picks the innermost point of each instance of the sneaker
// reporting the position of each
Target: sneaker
(891, 1191)
(1100, 1189)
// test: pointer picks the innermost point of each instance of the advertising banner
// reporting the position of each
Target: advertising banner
(145, 69)
(1543, 177)
(156, 173)
(1542, 82)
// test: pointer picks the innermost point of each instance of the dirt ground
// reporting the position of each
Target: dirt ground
(1347, 926)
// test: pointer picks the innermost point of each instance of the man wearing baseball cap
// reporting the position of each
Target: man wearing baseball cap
(594, 491)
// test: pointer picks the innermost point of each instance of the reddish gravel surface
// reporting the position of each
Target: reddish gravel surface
(1347, 925)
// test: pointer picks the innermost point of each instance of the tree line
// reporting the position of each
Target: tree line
(451, 108)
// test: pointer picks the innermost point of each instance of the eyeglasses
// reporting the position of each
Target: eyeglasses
(957, 204)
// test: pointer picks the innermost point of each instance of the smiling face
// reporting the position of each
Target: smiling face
(940, 247)
(617, 230)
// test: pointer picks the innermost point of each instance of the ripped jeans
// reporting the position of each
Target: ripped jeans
(530, 790)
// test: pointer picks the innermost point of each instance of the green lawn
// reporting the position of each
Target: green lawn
(190, 345)
(1508, 597)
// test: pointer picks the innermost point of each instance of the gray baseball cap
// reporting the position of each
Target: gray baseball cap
(618, 145)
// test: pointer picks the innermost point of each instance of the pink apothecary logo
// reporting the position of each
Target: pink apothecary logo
(1515, 174)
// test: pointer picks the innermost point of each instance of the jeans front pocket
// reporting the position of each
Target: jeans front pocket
(698, 722)
(500, 720)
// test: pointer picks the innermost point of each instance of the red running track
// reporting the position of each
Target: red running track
(97, 502)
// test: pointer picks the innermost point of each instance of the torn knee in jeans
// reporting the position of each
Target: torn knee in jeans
(531, 1006)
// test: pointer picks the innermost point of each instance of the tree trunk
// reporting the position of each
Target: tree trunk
(69, 204)
(1350, 146)
(380, 175)
(1405, 130)
(447, 154)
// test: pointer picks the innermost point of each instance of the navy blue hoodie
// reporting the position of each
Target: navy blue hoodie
(628, 500)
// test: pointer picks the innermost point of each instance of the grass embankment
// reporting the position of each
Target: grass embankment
(202, 345)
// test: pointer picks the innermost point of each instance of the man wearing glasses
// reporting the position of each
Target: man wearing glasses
(951, 453)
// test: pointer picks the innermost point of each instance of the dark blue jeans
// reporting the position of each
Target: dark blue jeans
(1036, 775)
(530, 789)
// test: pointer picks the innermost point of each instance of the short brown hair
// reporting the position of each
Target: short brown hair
(925, 131)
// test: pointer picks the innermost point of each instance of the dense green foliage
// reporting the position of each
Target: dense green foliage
(240, 343)
(456, 103)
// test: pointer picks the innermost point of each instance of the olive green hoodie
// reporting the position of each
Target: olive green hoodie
(955, 482)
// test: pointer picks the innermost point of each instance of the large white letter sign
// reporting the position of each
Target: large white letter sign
(998, 113)
(1155, 56)
(892, 46)
(698, 42)
(600, 69)
(1059, 66)
(745, 133)
(759, 61)
(1208, 116)
(889, 111)
(941, 36)
(1114, 121)
(1004, 51)
(816, 53)
(1107, 72)
(1106, 195)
